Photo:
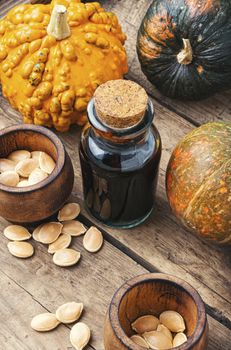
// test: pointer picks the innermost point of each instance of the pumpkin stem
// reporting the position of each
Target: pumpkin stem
(58, 26)
(185, 56)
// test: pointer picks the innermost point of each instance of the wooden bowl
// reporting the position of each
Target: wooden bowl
(152, 294)
(35, 203)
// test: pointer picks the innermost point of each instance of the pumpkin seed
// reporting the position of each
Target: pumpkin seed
(18, 155)
(73, 227)
(49, 232)
(137, 339)
(93, 240)
(46, 163)
(80, 335)
(180, 338)
(145, 323)
(9, 178)
(20, 249)
(69, 312)
(69, 212)
(16, 233)
(25, 167)
(44, 322)
(173, 321)
(165, 330)
(23, 183)
(35, 233)
(63, 241)
(66, 257)
(36, 176)
(157, 340)
(6, 165)
(35, 155)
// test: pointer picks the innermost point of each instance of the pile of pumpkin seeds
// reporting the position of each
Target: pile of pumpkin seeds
(58, 237)
(67, 313)
(23, 168)
(165, 332)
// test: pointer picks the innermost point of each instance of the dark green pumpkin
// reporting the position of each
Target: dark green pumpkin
(184, 47)
(198, 181)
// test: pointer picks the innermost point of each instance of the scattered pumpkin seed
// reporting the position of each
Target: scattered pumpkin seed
(49, 232)
(17, 156)
(93, 240)
(173, 321)
(44, 322)
(20, 249)
(46, 163)
(66, 257)
(180, 338)
(157, 340)
(6, 165)
(63, 241)
(9, 178)
(73, 227)
(69, 312)
(80, 335)
(16, 233)
(165, 330)
(69, 212)
(25, 167)
(137, 339)
(145, 323)
(36, 176)
(35, 233)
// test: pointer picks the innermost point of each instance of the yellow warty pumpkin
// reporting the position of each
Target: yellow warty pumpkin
(53, 57)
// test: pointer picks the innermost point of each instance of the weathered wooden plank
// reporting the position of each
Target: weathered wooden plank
(93, 282)
(35, 285)
(162, 248)
(161, 242)
(18, 307)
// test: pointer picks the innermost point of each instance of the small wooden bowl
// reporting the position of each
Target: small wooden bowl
(152, 294)
(35, 203)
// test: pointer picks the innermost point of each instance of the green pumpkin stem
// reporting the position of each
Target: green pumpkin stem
(185, 56)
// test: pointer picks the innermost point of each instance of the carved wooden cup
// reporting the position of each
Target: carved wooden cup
(42, 200)
(152, 294)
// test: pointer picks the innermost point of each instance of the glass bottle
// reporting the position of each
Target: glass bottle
(120, 168)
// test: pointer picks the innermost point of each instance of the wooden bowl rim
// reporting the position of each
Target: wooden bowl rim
(152, 277)
(59, 163)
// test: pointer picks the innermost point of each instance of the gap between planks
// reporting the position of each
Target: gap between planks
(89, 347)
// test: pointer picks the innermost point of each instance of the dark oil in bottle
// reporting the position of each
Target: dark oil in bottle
(119, 179)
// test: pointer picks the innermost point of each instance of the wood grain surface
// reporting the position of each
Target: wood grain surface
(161, 244)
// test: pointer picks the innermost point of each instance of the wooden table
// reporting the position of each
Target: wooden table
(29, 287)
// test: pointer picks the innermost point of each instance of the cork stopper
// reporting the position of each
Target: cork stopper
(120, 103)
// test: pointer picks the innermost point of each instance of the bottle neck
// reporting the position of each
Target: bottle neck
(135, 134)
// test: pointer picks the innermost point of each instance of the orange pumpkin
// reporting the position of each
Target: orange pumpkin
(53, 57)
